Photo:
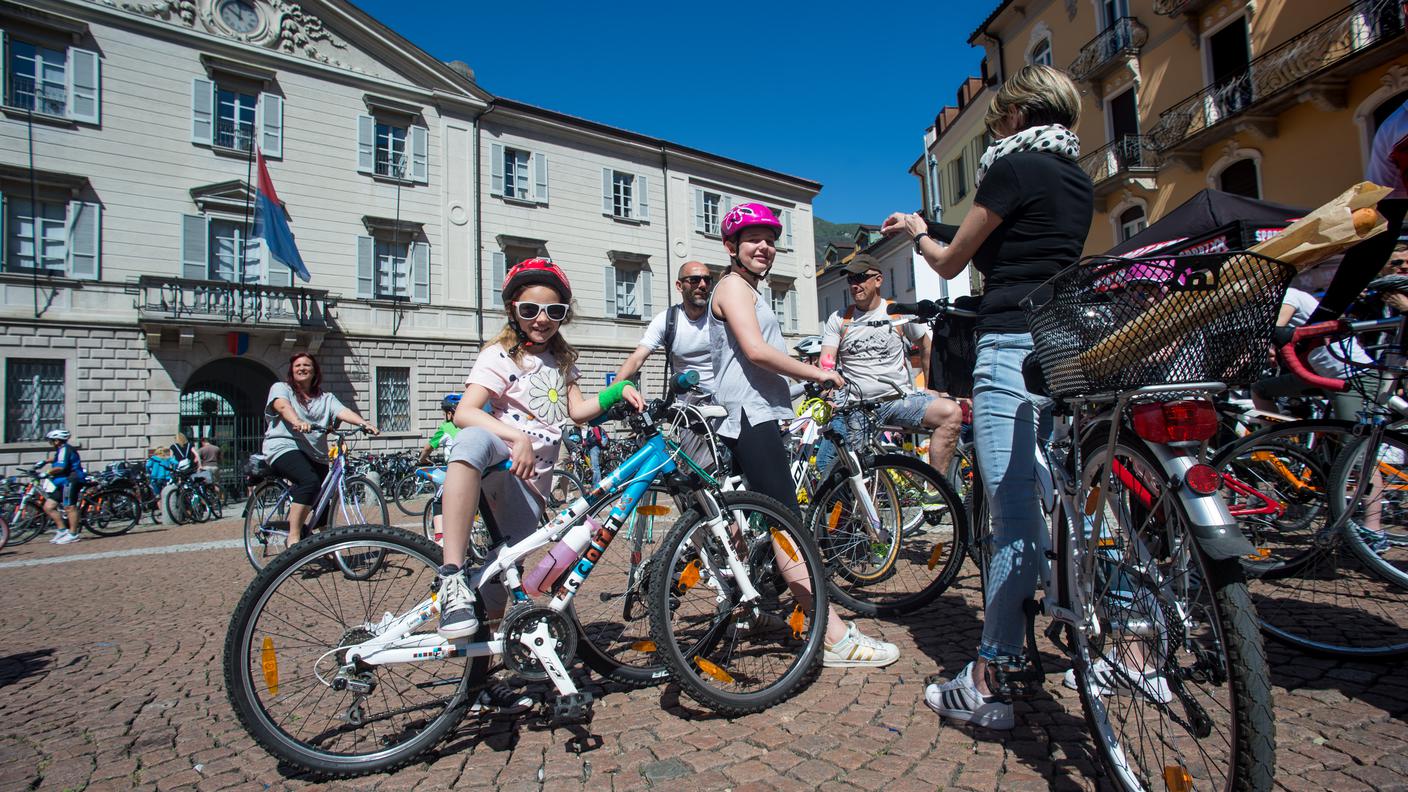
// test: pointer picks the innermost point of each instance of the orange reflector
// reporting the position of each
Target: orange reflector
(797, 621)
(713, 671)
(1105, 541)
(654, 511)
(689, 576)
(270, 662)
(1091, 499)
(332, 452)
(1177, 778)
(935, 555)
(834, 517)
(643, 646)
(784, 543)
(1261, 554)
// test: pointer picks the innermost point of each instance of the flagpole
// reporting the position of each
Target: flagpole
(248, 199)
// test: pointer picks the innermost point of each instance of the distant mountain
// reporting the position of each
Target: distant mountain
(825, 232)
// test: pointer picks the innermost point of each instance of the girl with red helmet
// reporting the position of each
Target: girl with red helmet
(528, 378)
(750, 366)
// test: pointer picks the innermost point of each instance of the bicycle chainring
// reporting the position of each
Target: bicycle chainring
(522, 620)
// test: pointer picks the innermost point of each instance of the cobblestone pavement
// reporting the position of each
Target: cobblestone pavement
(110, 679)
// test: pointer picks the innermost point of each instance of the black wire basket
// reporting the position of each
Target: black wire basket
(1106, 324)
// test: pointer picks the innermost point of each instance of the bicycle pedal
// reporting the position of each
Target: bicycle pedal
(571, 708)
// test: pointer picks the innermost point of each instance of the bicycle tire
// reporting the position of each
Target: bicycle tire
(266, 523)
(613, 620)
(408, 489)
(28, 525)
(1328, 601)
(1210, 689)
(566, 488)
(311, 632)
(4, 532)
(117, 514)
(1291, 476)
(1390, 563)
(923, 537)
(176, 506)
(701, 659)
(361, 504)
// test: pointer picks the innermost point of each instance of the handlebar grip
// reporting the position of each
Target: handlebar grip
(924, 309)
(1289, 353)
(685, 381)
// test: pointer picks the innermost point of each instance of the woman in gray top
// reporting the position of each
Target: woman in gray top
(299, 413)
(750, 361)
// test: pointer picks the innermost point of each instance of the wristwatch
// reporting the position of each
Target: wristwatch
(918, 237)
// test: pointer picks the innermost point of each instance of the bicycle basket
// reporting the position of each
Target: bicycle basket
(1110, 324)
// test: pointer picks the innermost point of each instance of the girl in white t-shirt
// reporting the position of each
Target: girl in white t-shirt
(528, 378)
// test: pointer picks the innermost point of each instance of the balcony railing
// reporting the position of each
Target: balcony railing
(391, 165)
(1179, 7)
(1128, 155)
(234, 135)
(1349, 32)
(47, 99)
(216, 302)
(1121, 39)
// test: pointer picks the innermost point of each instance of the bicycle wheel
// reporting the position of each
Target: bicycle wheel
(611, 613)
(197, 507)
(30, 523)
(281, 658)
(565, 489)
(117, 513)
(733, 657)
(1320, 593)
(176, 505)
(1379, 534)
(1170, 668)
(4, 532)
(361, 504)
(411, 493)
(1277, 491)
(266, 522)
(906, 561)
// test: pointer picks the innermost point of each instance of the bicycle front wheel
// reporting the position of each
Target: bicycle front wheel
(910, 557)
(115, 513)
(361, 504)
(733, 656)
(282, 664)
(175, 501)
(266, 522)
(1168, 661)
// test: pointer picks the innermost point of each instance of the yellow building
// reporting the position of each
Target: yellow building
(1276, 99)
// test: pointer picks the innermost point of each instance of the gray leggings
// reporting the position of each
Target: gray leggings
(516, 506)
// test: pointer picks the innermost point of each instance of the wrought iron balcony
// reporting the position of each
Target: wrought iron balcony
(1128, 157)
(237, 136)
(1179, 7)
(1311, 66)
(1109, 50)
(45, 98)
(182, 300)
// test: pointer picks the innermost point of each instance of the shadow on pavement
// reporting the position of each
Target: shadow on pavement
(17, 667)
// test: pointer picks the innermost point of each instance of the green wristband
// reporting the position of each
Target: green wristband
(608, 398)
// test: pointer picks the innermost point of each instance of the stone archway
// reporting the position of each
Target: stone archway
(224, 399)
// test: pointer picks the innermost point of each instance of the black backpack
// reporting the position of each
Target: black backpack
(955, 352)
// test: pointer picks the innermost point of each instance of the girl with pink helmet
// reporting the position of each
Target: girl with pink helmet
(750, 366)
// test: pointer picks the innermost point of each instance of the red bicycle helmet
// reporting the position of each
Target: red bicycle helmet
(536, 272)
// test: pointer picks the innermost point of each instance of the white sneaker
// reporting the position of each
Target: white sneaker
(1106, 681)
(67, 538)
(958, 699)
(457, 616)
(857, 650)
(57, 536)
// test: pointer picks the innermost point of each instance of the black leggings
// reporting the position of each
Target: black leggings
(760, 457)
(305, 475)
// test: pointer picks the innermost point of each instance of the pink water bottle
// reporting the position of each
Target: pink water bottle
(563, 555)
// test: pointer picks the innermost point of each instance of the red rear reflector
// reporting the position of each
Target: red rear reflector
(1175, 422)
(1202, 479)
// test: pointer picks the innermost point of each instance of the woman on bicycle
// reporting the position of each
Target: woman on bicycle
(750, 363)
(1029, 220)
(300, 413)
(528, 378)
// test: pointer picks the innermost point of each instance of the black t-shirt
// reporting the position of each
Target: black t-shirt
(1046, 204)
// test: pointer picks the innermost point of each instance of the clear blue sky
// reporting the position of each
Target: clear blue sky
(836, 92)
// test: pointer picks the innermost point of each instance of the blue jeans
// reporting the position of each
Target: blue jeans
(1008, 422)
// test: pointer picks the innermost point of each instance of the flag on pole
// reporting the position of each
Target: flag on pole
(271, 226)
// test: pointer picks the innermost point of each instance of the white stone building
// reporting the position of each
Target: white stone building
(408, 187)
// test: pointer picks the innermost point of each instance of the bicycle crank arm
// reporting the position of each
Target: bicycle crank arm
(540, 643)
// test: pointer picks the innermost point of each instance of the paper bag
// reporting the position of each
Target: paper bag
(1329, 230)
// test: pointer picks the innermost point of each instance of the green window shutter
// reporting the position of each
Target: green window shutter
(540, 177)
(83, 97)
(202, 111)
(195, 247)
(609, 287)
(496, 168)
(366, 144)
(699, 210)
(271, 125)
(84, 239)
(420, 272)
(496, 286)
(608, 203)
(642, 197)
(366, 268)
(420, 155)
(647, 305)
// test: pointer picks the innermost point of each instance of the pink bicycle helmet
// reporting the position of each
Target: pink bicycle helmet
(749, 214)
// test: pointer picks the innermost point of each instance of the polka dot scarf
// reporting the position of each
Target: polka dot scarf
(1053, 138)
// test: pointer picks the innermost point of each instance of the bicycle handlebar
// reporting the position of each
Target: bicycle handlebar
(1289, 342)
(930, 309)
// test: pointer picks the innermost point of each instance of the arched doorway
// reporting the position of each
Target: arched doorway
(224, 399)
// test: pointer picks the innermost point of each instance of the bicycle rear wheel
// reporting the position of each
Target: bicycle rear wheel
(910, 558)
(1170, 668)
(411, 493)
(733, 657)
(31, 523)
(361, 504)
(281, 655)
(266, 523)
(116, 513)
(175, 501)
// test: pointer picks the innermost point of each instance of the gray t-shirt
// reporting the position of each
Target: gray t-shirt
(281, 438)
(690, 351)
(868, 347)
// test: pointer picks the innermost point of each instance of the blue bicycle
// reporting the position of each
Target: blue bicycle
(343, 677)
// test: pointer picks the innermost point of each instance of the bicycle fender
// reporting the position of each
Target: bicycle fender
(1214, 527)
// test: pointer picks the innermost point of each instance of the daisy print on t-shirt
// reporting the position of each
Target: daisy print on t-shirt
(547, 395)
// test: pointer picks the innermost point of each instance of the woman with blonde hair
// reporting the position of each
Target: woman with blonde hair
(1029, 220)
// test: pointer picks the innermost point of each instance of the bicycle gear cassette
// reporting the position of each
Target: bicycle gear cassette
(524, 620)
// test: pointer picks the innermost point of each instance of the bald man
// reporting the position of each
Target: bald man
(689, 347)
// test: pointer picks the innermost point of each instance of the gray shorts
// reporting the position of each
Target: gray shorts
(907, 412)
(517, 507)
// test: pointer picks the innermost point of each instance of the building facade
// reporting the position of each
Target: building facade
(1272, 99)
(134, 304)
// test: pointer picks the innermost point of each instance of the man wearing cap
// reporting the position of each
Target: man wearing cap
(870, 351)
(680, 330)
